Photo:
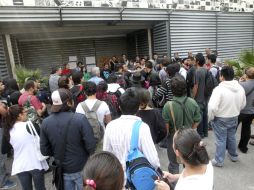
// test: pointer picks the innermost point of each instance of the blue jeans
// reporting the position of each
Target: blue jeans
(203, 125)
(224, 131)
(73, 181)
(37, 176)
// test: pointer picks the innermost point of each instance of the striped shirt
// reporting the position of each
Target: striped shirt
(164, 91)
(117, 140)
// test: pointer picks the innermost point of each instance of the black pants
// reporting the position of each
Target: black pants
(25, 179)
(246, 120)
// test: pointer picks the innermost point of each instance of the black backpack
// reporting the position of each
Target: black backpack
(210, 83)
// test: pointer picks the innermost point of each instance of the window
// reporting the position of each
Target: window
(18, 2)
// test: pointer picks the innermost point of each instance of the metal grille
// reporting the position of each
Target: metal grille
(142, 43)
(3, 65)
(160, 37)
(15, 50)
(235, 33)
(192, 31)
(131, 46)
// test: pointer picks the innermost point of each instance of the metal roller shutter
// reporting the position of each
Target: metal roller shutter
(3, 64)
(160, 39)
(15, 50)
(235, 33)
(142, 43)
(131, 46)
(48, 53)
(192, 31)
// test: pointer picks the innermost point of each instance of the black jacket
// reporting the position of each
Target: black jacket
(80, 139)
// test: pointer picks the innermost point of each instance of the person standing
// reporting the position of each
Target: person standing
(5, 182)
(26, 164)
(53, 78)
(247, 114)
(199, 93)
(80, 142)
(223, 113)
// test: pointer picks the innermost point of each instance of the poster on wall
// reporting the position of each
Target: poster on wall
(73, 62)
(90, 63)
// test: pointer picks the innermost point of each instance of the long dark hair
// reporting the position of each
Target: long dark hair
(105, 170)
(11, 118)
(190, 146)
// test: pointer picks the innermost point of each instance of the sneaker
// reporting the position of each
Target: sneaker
(243, 150)
(251, 143)
(252, 136)
(233, 159)
(8, 185)
(216, 164)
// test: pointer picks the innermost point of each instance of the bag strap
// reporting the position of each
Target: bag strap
(32, 129)
(172, 114)
(250, 92)
(96, 105)
(135, 135)
(62, 148)
(85, 107)
(182, 104)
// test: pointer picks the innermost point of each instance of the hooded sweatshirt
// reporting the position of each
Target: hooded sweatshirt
(227, 100)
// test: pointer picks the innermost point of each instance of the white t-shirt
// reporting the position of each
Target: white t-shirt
(25, 158)
(183, 72)
(197, 182)
(101, 112)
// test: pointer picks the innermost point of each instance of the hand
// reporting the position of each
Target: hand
(170, 177)
(161, 185)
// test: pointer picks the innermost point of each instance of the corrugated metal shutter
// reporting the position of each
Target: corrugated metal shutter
(160, 39)
(142, 43)
(48, 53)
(15, 50)
(235, 33)
(108, 47)
(192, 31)
(131, 46)
(3, 65)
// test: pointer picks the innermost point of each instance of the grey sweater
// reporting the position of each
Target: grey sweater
(248, 85)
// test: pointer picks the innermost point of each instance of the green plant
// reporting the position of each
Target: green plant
(245, 60)
(23, 73)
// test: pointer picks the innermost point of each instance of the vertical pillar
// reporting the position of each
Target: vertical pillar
(150, 47)
(10, 55)
(216, 39)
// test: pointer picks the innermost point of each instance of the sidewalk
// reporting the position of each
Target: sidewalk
(233, 176)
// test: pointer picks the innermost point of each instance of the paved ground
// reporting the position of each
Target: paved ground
(233, 176)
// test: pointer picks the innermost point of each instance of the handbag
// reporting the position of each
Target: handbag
(36, 140)
(57, 167)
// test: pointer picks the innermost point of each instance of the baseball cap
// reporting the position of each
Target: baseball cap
(59, 97)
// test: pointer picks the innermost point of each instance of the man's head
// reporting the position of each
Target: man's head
(56, 70)
(172, 69)
(176, 55)
(178, 86)
(199, 60)
(227, 73)
(77, 77)
(112, 79)
(106, 66)
(3, 108)
(30, 87)
(2, 87)
(148, 66)
(155, 56)
(90, 88)
(66, 66)
(129, 102)
(250, 73)
(190, 54)
(95, 71)
(36, 81)
(142, 61)
(211, 58)
(119, 67)
(61, 100)
(80, 64)
(208, 51)
(114, 58)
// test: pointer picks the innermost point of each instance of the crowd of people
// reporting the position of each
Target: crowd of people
(102, 126)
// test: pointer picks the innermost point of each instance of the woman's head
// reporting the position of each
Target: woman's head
(15, 113)
(144, 98)
(103, 171)
(188, 145)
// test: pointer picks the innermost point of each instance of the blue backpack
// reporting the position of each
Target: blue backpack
(140, 173)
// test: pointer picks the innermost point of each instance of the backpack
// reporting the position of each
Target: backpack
(140, 173)
(92, 118)
(78, 95)
(210, 83)
(112, 102)
(31, 112)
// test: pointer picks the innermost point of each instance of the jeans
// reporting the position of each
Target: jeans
(73, 181)
(224, 131)
(173, 166)
(25, 179)
(246, 120)
(203, 125)
(3, 157)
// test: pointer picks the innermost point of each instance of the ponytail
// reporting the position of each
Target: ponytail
(11, 118)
